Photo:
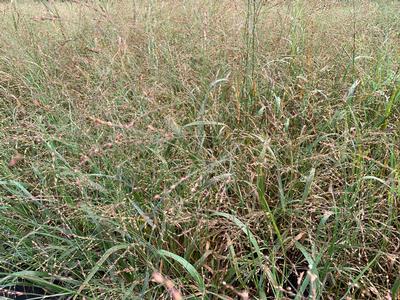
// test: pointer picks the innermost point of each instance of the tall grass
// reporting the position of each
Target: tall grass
(200, 149)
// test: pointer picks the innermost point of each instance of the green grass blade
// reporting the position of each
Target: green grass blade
(396, 289)
(256, 247)
(187, 266)
(307, 188)
(261, 190)
(98, 265)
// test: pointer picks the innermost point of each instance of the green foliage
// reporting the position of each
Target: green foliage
(237, 148)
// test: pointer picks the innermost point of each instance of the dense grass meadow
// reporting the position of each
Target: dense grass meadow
(200, 149)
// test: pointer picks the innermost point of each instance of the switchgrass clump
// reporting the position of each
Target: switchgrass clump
(200, 149)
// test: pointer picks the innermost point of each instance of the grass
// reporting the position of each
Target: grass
(200, 149)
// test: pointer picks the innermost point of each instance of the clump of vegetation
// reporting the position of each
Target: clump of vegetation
(160, 149)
